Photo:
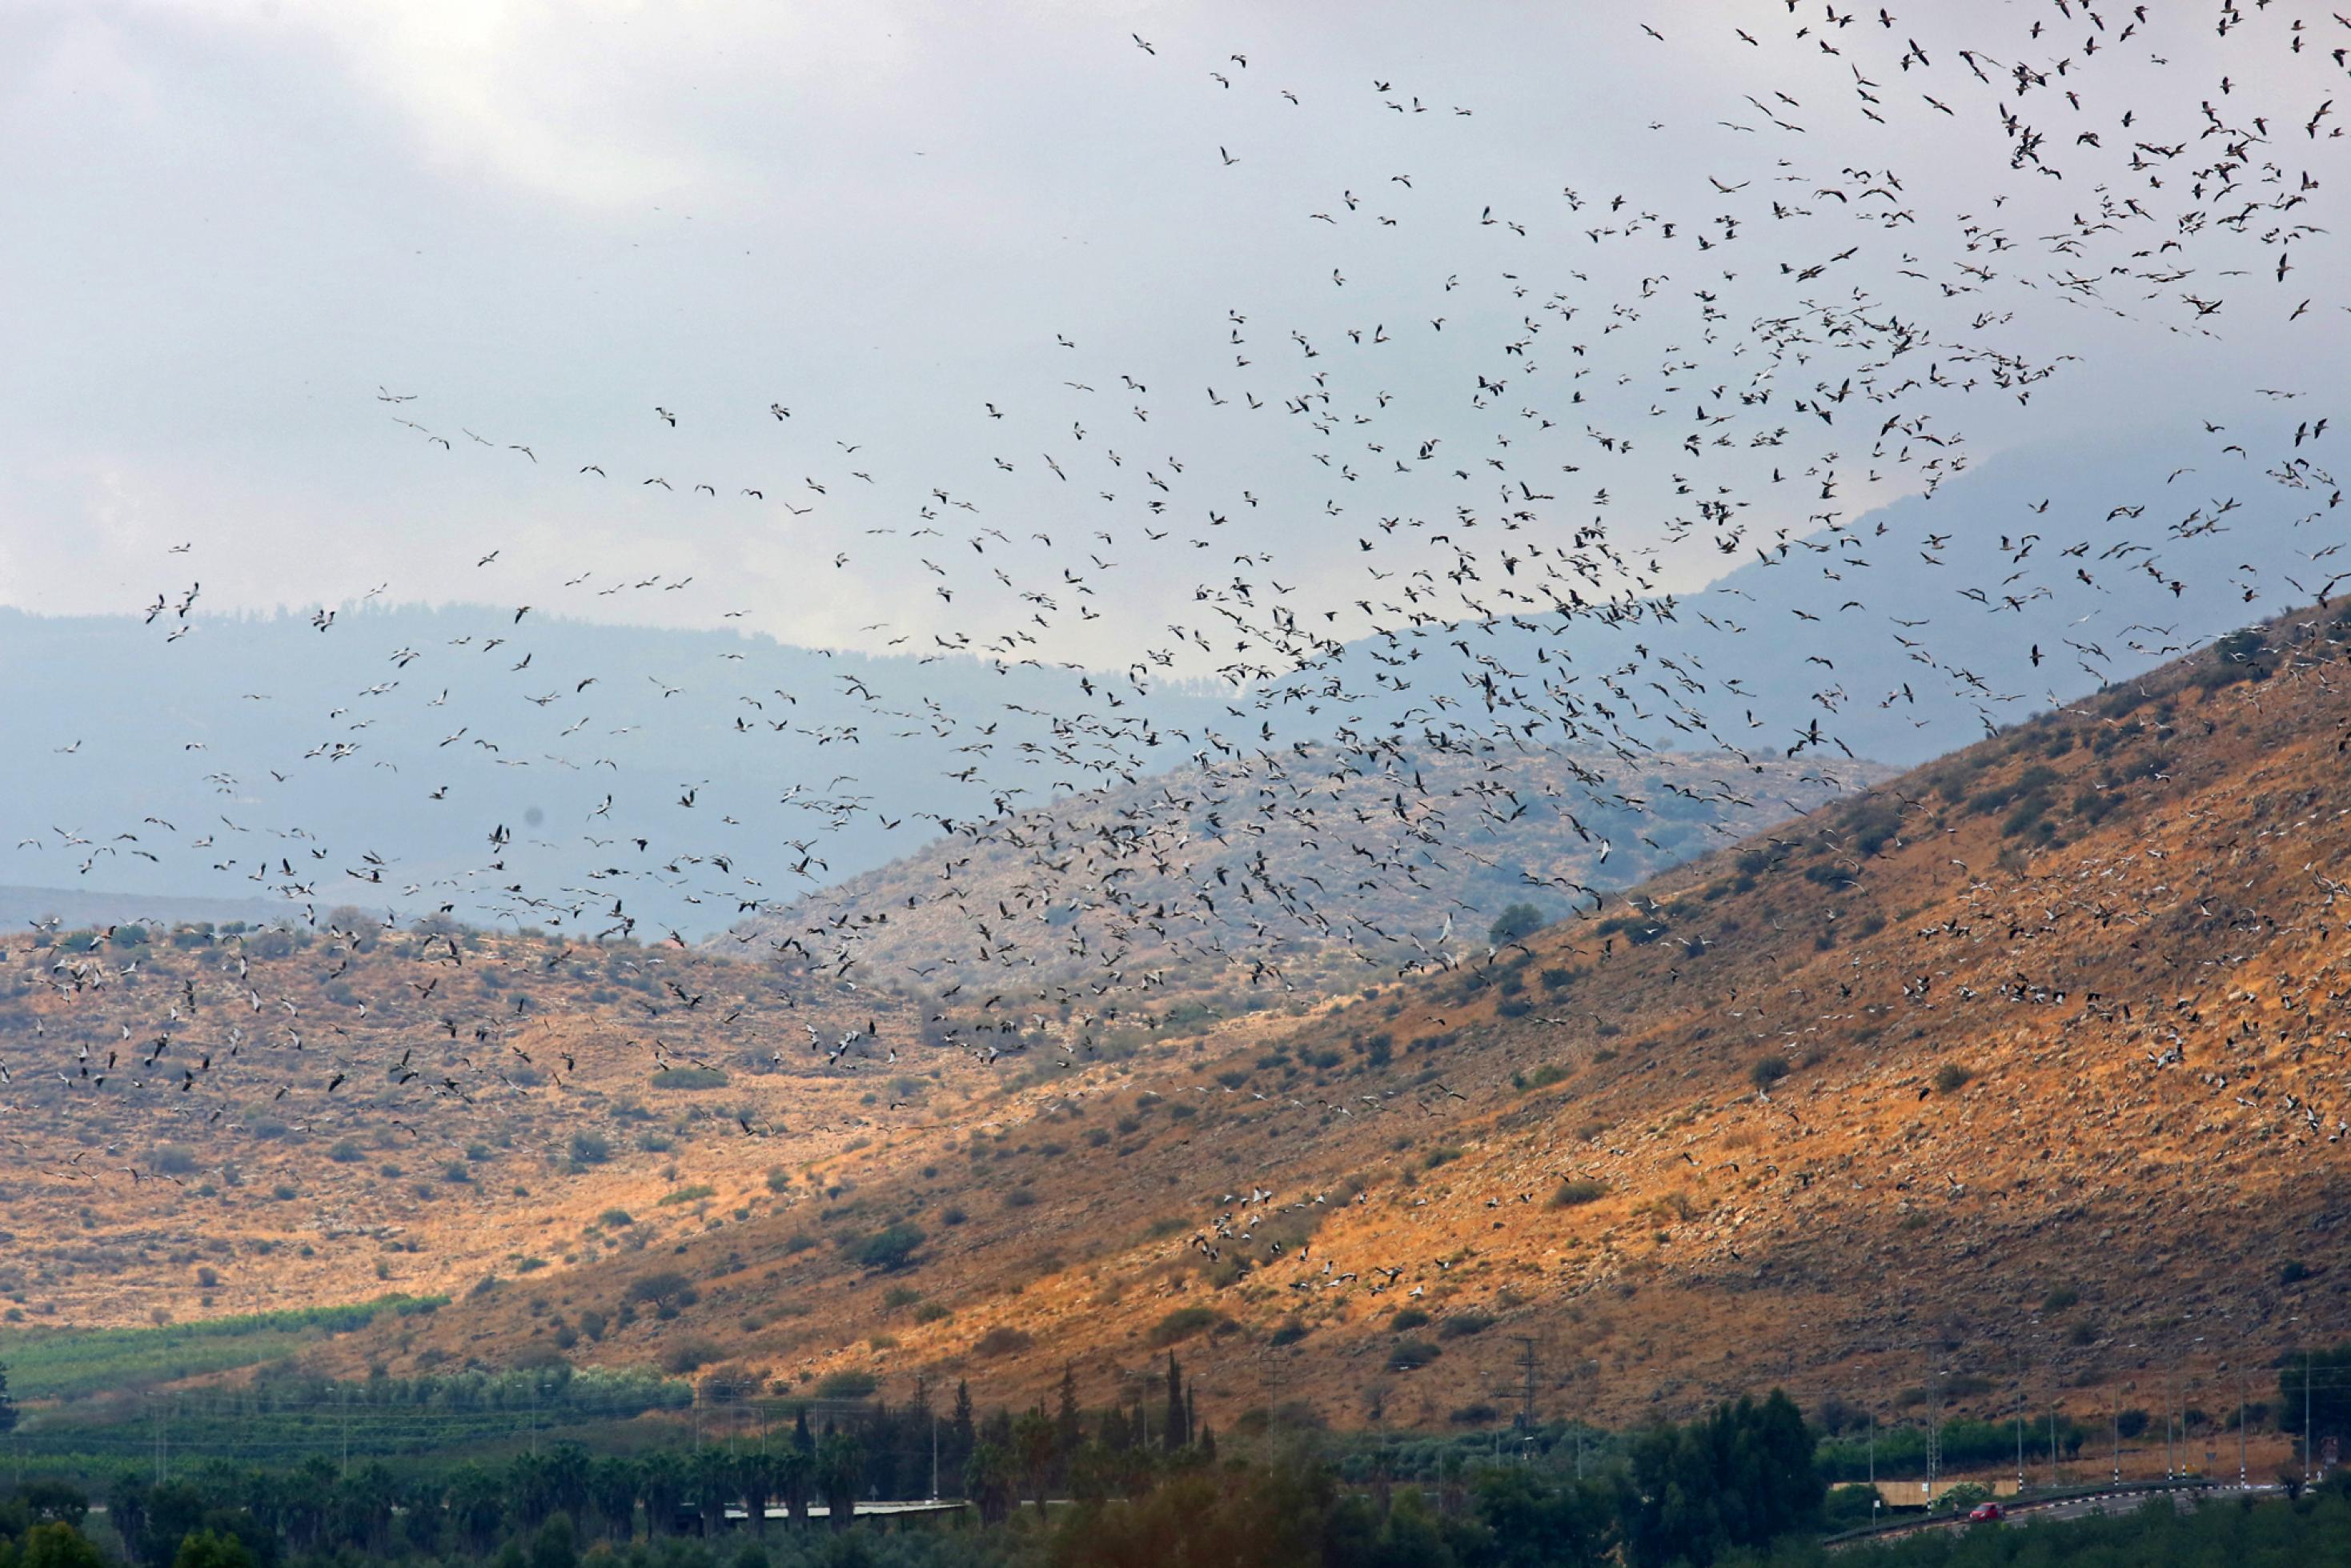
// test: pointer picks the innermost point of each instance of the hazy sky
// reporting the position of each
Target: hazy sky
(229, 224)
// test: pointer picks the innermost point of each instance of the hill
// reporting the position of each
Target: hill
(1301, 873)
(217, 1121)
(2017, 1077)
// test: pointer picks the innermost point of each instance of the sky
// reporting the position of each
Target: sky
(233, 228)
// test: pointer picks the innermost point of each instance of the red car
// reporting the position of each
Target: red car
(1987, 1513)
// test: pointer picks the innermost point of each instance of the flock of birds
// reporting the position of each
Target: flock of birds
(1710, 369)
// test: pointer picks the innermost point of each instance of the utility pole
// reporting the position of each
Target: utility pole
(934, 1456)
(1873, 1499)
(2240, 1430)
(2306, 1417)
(2115, 1397)
(2055, 1480)
(1934, 1432)
(2020, 1439)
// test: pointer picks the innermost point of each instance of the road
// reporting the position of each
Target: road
(2183, 1497)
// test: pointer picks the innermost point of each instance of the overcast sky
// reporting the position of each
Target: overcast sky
(228, 224)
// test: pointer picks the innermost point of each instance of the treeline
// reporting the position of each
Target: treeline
(1143, 1482)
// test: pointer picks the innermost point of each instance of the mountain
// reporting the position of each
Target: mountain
(2022, 1070)
(2028, 581)
(1298, 874)
(86, 907)
(193, 768)
(502, 764)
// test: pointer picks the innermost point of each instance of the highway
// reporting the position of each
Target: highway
(2183, 1497)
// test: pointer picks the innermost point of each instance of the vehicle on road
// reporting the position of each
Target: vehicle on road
(1987, 1513)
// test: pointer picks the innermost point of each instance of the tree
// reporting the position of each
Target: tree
(57, 1545)
(206, 1549)
(1068, 1428)
(555, 1546)
(666, 1292)
(1032, 1448)
(613, 1489)
(840, 1471)
(794, 1475)
(1742, 1476)
(1175, 1435)
(1515, 923)
(987, 1482)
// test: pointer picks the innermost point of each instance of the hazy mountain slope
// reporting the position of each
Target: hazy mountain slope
(416, 733)
(2060, 1020)
(1300, 872)
(2028, 581)
(85, 906)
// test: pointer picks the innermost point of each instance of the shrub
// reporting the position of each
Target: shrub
(1181, 1325)
(1950, 1077)
(693, 1351)
(847, 1384)
(1576, 1191)
(589, 1148)
(667, 1291)
(892, 1246)
(172, 1159)
(1003, 1339)
(1515, 923)
(1411, 1354)
(1768, 1071)
(2058, 1300)
(1407, 1318)
(1461, 1326)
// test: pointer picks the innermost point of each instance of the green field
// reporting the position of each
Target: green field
(69, 1364)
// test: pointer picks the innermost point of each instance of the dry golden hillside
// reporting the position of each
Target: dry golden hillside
(200, 1122)
(2026, 1070)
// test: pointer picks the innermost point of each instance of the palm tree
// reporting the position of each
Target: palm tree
(1033, 1444)
(665, 1482)
(613, 1480)
(840, 1467)
(714, 1475)
(795, 1472)
(988, 1482)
